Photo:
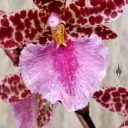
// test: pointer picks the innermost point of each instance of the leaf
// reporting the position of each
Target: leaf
(12, 89)
(114, 99)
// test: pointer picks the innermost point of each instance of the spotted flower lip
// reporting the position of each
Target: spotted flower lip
(68, 74)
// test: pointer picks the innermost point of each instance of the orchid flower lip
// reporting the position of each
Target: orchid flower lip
(75, 64)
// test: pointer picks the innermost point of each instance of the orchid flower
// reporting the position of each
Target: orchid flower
(29, 26)
(70, 68)
(20, 28)
(60, 68)
(114, 99)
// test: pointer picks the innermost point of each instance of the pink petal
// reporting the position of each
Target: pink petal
(70, 74)
(45, 111)
(33, 112)
(25, 113)
(102, 31)
(124, 124)
(91, 12)
(113, 99)
(17, 29)
(51, 5)
(12, 89)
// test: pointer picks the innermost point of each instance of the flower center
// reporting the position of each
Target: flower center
(58, 35)
(57, 29)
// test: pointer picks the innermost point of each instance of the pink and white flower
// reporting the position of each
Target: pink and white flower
(81, 18)
(69, 72)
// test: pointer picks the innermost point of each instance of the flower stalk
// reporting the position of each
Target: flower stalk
(84, 117)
